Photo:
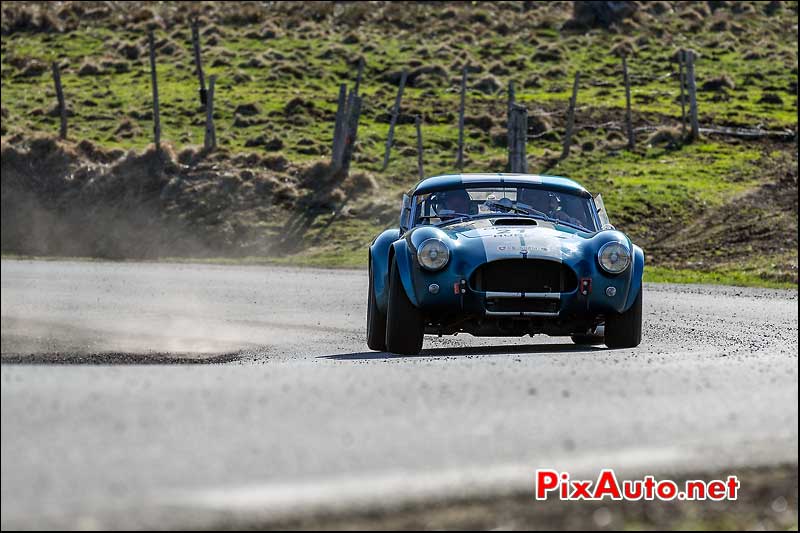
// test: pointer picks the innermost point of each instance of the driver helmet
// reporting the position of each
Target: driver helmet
(456, 201)
(539, 199)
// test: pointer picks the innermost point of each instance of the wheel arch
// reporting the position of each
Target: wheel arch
(380, 257)
(636, 277)
(400, 255)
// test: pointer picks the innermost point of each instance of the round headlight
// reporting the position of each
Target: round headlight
(433, 254)
(614, 257)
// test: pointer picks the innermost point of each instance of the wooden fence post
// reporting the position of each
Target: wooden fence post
(353, 115)
(518, 137)
(512, 99)
(337, 151)
(628, 118)
(198, 64)
(511, 133)
(62, 108)
(522, 139)
(460, 155)
(571, 117)
(154, 83)
(418, 125)
(395, 114)
(211, 132)
(695, 131)
(360, 73)
(682, 76)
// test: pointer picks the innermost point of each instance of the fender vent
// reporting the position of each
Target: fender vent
(524, 275)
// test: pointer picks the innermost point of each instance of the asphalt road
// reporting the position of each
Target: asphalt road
(285, 410)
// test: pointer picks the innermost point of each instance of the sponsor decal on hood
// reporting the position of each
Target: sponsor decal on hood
(506, 242)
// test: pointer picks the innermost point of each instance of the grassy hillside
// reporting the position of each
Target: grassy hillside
(720, 208)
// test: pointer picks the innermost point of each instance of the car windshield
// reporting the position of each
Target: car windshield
(457, 204)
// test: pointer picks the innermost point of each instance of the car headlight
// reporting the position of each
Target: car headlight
(614, 257)
(433, 254)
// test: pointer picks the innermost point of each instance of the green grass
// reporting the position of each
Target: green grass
(673, 185)
(740, 278)
(101, 101)
(648, 191)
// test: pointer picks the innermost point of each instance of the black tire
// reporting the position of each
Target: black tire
(588, 340)
(624, 330)
(376, 320)
(404, 325)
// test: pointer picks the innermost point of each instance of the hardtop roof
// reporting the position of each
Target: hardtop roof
(456, 181)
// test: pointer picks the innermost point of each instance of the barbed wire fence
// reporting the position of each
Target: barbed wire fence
(690, 127)
(518, 133)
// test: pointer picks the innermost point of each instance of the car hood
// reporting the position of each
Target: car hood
(486, 242)
(513, 241)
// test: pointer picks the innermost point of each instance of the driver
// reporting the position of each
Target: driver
(535, 198)
(548, 203)
(456, 201)
(573, 207)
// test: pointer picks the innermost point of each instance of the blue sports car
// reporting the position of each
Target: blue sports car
(503, 255)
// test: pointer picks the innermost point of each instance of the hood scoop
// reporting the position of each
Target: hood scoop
(515, 222)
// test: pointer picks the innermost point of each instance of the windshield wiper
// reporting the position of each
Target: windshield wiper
(524, 209)
(572, 225)
(509, 205)
(447, 218)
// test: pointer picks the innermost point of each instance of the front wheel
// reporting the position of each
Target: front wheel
(404, 325)
(624, 330)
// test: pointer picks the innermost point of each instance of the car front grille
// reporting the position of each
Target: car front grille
(524, 275)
